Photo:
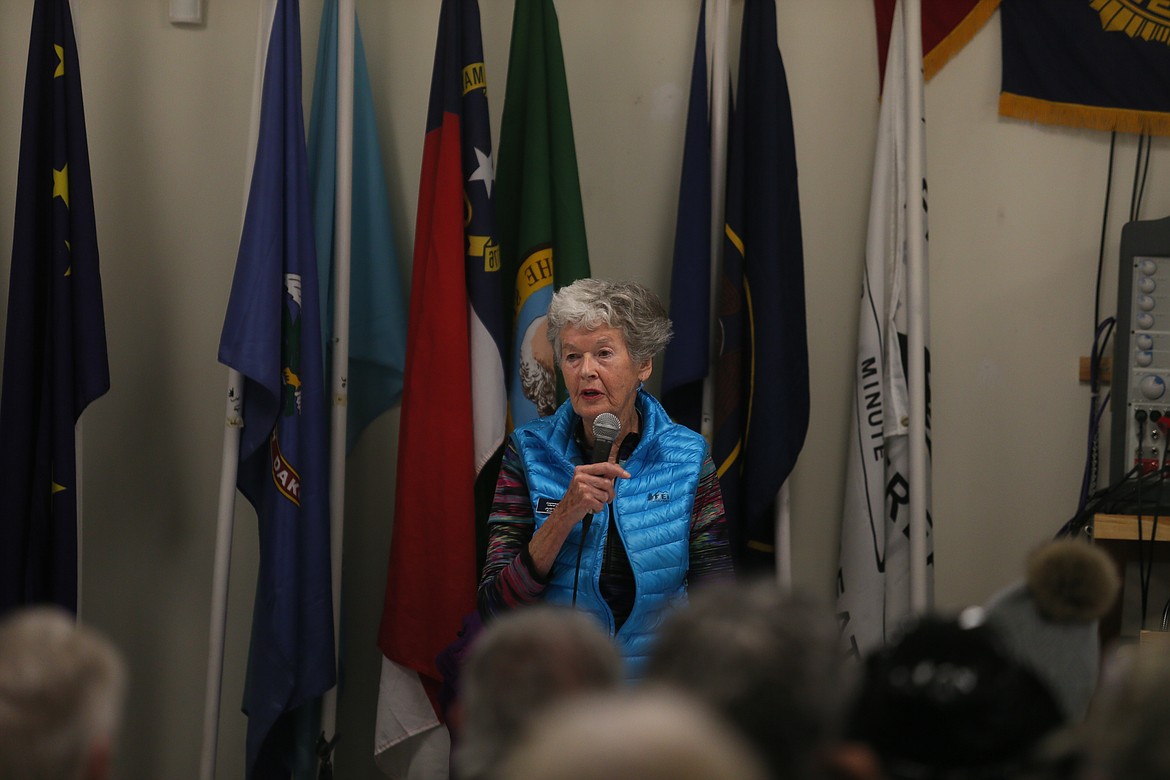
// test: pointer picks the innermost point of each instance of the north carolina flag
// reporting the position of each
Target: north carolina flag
(55, 349)
(453, 405)
(1098, 64)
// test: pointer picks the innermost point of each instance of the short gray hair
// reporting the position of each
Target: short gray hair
(629, 307)
(526, 661)
(767, 661)
(61, 691)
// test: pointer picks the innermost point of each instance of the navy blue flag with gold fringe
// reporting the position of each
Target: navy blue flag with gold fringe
(1098, 64)
(55, 360)
(761, 386)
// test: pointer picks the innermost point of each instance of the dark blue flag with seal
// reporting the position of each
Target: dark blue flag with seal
(271, 335)
(1098, 64)
(761, 390)
(55, 360)
(685, 363)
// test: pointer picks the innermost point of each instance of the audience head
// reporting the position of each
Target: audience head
(1049, 620)
(524, 662)
(767, 662)
(61, 690)
(643, 735)
(1126, 735)
(947, 700)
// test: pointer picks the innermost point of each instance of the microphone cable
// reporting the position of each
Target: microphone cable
(606, 428)
(585, 523)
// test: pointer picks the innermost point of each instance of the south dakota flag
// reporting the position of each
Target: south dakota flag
(271, 335)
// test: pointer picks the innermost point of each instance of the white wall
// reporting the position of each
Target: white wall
(1015, 215)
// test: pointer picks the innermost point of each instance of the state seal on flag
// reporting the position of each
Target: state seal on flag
(1146, 19)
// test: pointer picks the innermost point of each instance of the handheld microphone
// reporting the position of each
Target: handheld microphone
(606, 427)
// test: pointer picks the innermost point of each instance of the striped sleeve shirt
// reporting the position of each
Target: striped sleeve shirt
(509, 576)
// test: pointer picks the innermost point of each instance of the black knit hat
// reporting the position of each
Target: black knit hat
(947, 700)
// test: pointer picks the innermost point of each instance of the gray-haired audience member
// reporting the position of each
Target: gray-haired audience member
(1126, 735)
(523, 663)
(61, 690)
(644, 735)
(767, 662)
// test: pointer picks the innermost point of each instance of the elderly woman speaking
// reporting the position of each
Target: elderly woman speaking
(618, 531)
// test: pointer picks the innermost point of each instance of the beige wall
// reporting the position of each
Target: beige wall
(1015, 215)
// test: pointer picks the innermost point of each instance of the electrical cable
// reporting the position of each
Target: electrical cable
(1134, 198)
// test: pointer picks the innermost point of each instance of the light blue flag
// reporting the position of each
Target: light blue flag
(377, 315)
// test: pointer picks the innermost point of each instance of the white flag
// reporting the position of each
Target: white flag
(873, 578)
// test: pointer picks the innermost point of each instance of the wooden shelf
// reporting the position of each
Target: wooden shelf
(1124, 527)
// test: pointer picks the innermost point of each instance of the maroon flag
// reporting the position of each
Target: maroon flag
(947, 26)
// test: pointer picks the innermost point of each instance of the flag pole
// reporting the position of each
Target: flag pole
(230, 459)
(229, 465)
(917, 293)
(783, 540)
(342, 235)
(719, 102)
(78, 448)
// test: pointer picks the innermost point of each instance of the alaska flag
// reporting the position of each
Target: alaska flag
(377, 313)
(685, 364)
(55, 349)
(761, 393)
(1099, 64)
(453, 404)
(542, 225)
(271, 335)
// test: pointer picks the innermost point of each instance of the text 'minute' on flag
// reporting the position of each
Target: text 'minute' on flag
(55, 360)
(761, 391)
(271, 335)
(542, 225)
(873, 579)
(453, 406)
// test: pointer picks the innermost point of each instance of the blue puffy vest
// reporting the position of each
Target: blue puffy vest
(651, 512)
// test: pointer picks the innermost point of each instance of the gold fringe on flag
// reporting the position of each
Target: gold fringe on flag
(1123, 120)
(956, 39)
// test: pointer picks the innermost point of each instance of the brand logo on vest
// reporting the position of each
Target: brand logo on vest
(545, 506)
(658, 497)
(1146, 19)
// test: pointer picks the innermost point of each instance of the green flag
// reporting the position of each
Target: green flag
(538, 202)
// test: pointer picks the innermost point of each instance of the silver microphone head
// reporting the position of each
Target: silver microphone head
(606, 428)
